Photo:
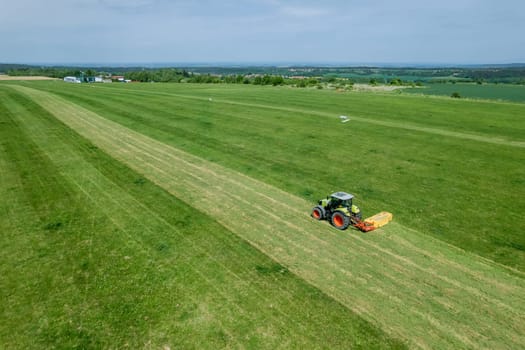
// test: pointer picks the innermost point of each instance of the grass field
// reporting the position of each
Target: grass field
(504, 92)
(199, 196)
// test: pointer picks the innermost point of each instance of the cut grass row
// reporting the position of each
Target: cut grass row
(426, 292)
(452, 183)
(96, 256)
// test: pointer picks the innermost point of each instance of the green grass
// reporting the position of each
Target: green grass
(432, 162)
(504, 92)
(96, 256)
(468, 193)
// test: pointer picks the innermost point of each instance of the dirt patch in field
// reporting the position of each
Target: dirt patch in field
(9, 77)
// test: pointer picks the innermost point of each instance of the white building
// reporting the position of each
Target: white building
(72, 80)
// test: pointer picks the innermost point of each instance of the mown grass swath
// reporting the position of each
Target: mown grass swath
(398, 278)
(96, 256)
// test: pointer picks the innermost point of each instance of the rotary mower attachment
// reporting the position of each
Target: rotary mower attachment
(373, 222)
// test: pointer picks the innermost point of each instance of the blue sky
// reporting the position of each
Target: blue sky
(245, 31)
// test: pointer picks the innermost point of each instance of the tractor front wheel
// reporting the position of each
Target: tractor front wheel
(340, 221)
(318, 212)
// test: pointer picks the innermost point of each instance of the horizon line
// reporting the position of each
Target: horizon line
(279, 64)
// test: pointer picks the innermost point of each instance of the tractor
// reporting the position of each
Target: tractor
(339, 210)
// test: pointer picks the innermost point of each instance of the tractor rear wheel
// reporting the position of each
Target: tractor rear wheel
(318, 212)
(340, 221)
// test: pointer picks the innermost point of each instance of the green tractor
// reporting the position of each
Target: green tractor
(338, 208)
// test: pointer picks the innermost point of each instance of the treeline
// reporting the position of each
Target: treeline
(51, 72)
(165, 75)
(299, 76)
(171, 75)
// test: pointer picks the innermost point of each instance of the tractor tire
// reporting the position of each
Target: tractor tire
(318, 213)
(340, 221)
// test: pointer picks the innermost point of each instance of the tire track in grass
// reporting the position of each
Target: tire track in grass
(406, 303)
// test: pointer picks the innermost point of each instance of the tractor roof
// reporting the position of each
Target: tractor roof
(342, 196)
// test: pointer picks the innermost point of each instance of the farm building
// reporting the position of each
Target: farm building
(72, 80)
(119, 78)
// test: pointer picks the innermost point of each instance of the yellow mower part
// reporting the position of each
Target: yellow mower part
(380, 219)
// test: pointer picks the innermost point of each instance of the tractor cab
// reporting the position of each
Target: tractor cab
(340, 200)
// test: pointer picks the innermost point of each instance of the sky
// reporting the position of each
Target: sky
(263, 31)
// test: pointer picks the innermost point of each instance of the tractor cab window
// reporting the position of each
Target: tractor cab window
(346, 203)
(334, 202)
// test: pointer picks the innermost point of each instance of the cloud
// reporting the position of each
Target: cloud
(304, 12)
(259, 30)
(127, 3)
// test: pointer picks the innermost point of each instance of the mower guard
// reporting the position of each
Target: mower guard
(373, 222)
